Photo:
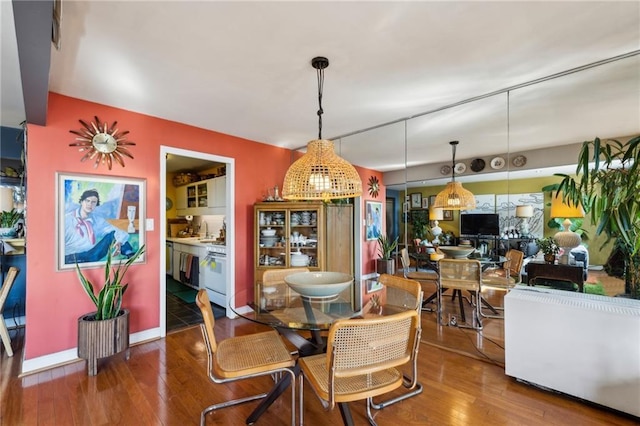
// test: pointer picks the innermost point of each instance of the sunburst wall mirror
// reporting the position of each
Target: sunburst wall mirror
(102, 143)
(374, 186)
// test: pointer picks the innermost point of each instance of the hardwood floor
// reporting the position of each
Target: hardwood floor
(164, 383)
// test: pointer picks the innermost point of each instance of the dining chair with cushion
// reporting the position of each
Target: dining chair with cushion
(425, 278)
(362, 360)
(403, 293)
(244, 357)
(461, 275)
(9, 279)
(503, 279)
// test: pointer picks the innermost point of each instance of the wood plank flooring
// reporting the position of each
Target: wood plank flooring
(165, 383)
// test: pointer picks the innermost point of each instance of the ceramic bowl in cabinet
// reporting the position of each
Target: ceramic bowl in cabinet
(268, 232)
(269, 241)
(319, 284)
(299, 259)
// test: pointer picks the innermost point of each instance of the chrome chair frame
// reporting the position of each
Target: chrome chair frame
(473, 286)
(275, 373)
(409, 382)
(339, 363)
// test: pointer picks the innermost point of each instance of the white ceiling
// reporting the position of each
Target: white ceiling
(243, 68)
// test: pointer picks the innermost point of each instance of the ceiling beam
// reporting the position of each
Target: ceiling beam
(33, 21)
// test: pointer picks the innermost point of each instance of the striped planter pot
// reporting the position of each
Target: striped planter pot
(100, 339)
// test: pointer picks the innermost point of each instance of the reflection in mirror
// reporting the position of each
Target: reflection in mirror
(376, 143)
(480, 128)
(597, 102)
(523, 135)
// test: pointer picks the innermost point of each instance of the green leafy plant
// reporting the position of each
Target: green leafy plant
(607, 184)
(548, 245)
(386, 247)
(9, 219)
(109, 300)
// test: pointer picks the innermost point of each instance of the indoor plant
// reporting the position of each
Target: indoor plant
(8, 221)
(385, 264)
(607, 183)
(105, 332)
(549, 248)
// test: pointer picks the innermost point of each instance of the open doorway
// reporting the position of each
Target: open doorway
(223, 215)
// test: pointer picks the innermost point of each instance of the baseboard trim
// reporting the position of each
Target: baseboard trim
(46, 362)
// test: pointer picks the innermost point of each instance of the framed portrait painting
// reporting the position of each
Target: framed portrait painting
(373, 220)
(94, 213)
(447, 214)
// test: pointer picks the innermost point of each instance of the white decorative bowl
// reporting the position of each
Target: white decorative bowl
(318, 284)
(268, 232)
(456, 252)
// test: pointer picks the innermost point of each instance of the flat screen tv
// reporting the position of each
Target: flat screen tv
(480, 224)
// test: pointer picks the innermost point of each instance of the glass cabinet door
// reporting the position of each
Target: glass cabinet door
(272, 234)
(303, 238)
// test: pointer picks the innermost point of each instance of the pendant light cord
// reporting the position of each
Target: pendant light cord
(453, 163)
(320, 73)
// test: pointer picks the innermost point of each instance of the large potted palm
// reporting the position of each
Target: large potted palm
(607, 184)
(385, 264)
(105, 332)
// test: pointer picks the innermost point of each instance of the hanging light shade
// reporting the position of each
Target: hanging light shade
(320, 174)
(454, 196)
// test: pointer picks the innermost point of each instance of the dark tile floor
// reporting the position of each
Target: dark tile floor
(181, 314)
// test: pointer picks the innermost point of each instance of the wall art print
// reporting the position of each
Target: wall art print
(373, 220)
(92, 212)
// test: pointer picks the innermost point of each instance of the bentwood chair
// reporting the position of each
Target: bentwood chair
(505, 278)
(244, 357)
(4, 293)
(408, 294)
(461, 275)
(362, 360)
(429, 278)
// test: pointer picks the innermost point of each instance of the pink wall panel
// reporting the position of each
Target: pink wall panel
(55, 299)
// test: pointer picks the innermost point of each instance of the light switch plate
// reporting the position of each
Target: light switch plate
(149, 224)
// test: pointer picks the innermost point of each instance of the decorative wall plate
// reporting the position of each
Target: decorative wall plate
(102, 143)
(519, 160)
(445, 170)
(461, 168)
(497, 163)
(477, 165)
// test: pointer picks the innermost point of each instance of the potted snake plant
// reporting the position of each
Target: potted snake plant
(385, 264)
(105, 332)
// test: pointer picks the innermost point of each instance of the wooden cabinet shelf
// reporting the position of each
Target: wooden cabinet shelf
(323, 232)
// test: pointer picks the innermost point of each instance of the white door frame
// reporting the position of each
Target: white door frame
(229, 215)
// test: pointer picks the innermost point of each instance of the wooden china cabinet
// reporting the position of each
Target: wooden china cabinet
(309, 234)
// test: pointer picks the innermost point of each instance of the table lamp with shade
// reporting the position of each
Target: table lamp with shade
(566, 239)
(524, 212)
(436, 214)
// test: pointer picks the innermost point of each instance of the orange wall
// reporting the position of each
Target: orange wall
(55, 299)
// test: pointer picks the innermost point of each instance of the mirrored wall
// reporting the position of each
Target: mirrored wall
(511, 143)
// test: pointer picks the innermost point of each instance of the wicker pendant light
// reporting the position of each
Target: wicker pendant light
(454, 196)
(320, 174)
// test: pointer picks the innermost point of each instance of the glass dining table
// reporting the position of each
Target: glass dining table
(296, 316)
(304, 321)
